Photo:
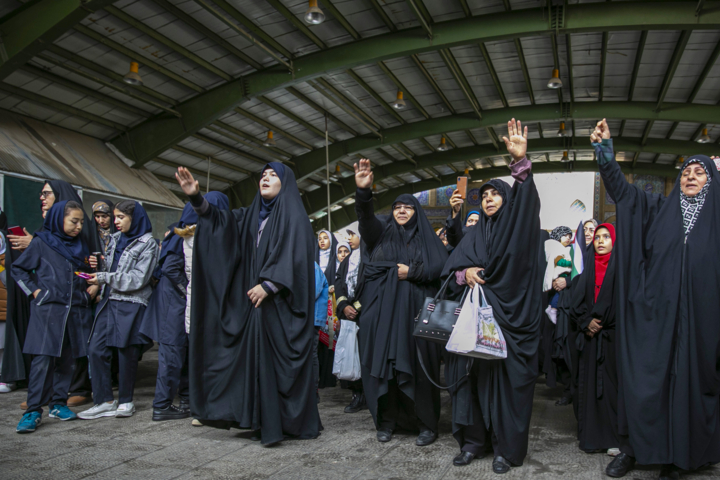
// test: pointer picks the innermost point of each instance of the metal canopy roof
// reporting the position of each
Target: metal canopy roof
(218, 74)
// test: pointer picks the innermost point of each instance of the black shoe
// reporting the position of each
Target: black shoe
(171, 412)
(463, 458)
(426, 437)
(563, 402)
(185, 404)
(256, 437)
(384, 436)
(358, 403)
(669, 472)
(500, 465)
(620, 466)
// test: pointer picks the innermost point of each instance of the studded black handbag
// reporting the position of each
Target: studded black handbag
(436, 319)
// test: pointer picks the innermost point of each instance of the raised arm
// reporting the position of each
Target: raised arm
(615, 182)
(371, 228)
(516, 144)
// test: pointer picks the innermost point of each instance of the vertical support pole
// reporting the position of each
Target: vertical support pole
(207, 187)
(327, 170)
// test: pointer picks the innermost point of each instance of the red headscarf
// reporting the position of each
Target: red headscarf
(601, 261)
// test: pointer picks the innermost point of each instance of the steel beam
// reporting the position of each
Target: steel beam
(318, 200)
(200, 28)
(331, 88)
(307, 101)
(156, 134)
(383, 103)
(462, 82)
(299, 24)
(204, 156)
(636, 69)
(172, 45)
(433, 83)
(674, 62)
(233, 150)
(400, 86)
(270, 126)
(27, 31)
(295, 118)
(340, 18)
(603, 60)
(195, 171)
(239, 134)
(422, 16)
(63, 107)
(493, 73)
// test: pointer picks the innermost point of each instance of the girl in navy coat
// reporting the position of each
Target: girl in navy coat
(132, 255)
(60, 313)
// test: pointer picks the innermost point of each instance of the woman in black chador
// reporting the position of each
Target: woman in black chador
(406, 258)
(666, 287)
(593, 311)
(252, 312)
(493, 405)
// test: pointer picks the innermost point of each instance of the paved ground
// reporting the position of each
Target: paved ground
(137, 447)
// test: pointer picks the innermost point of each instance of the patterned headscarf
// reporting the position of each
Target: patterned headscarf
(559, 232)
(691, 206)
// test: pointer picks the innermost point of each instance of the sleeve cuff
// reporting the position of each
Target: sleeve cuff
(363, 194)
(521, 169)
(269, 287)
(101, 278)
(460, 277)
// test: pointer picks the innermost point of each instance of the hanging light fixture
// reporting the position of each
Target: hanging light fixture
(314, 15)
(374, 187)
(704, 138)
(337, 175)
(562, 132)
(679, 163)
(133, 77)
(565, 157)
(269, 141)
(555, 81)
(443, 147)
(399, 103)
(467, 174)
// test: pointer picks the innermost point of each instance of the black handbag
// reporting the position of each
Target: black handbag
(436, 319)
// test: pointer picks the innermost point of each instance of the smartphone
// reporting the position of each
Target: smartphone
(462, 186)
(16, 231)
(83, 275)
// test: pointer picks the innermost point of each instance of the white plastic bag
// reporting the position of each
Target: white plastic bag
(347, 355)
(476, 333)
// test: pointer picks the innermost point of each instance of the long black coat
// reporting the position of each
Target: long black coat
(164, 319)
(63, 305)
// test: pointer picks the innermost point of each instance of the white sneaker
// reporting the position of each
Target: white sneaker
(552, 314)
(98, 411)
(7, 387)
(613, 452)
(125, 410)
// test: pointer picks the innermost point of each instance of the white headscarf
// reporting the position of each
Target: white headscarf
(325, 254)
(353, 268)
(342, 243)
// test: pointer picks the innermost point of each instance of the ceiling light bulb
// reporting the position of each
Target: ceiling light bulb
(565, 157)
(443, 147)
(269, 141)
(704, 138)
(133, 77)
(562, 132)
(399, 103)
(555, 81)
(314, 15)
(679, 163)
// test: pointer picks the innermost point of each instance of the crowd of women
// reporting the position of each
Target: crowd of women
(236, 300)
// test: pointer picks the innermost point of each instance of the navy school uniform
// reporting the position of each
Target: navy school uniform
(60, 322)
(164, 322)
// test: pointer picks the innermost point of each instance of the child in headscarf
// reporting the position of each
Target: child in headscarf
(559, 264)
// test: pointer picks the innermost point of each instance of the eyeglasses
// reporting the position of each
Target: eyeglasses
(407, 208)
(46, 193)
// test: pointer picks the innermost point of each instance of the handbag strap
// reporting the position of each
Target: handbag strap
(484, 302)
(422, 365)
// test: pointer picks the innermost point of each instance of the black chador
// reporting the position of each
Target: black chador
(597, 398)
(667, 286)
(250, 367)
(397, 391)
(495, 402)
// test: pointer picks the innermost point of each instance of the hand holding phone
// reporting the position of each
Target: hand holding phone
(16, 231)
(83, 275)
(462, 186)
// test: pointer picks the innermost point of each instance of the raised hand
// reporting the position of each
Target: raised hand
(187, 182)
(517, 143)
(602, 131)
(363, 174)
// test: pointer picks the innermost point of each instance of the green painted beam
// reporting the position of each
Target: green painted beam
(346, 189)
(295, 118)
(28, 32)
(200, 28)
(48, 75)
(331, 88)
(603, 63)
(298, 23)
(58, 105)
(400, 86)
(83, 62)
(493, 73)
(143, 141)
(418, 8)
(340, 18)
(383, 15)
(307, 101)
(568, 48)
(433, 83)
(672, 67)
(383, 103)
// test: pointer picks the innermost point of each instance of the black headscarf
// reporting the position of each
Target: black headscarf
(267, 207)
(506, 245)
(73, 249)
(667, 319)
(64, 192)
(244, 356)
(139, 226)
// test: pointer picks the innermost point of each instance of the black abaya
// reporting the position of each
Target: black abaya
(397, 391)
(597, 396)
(506, 246)
(251, 367)
(667, 320)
